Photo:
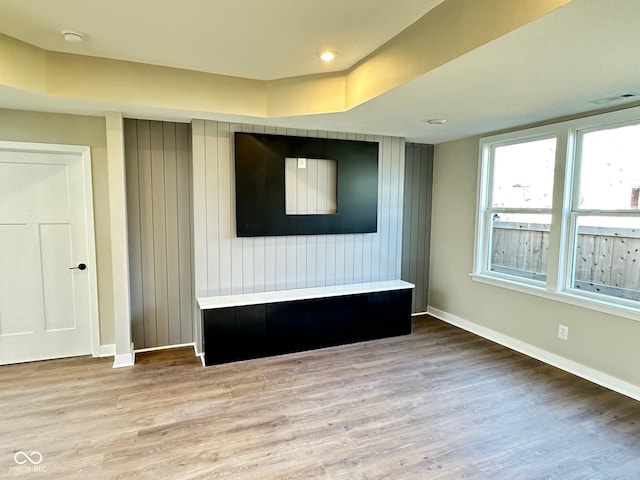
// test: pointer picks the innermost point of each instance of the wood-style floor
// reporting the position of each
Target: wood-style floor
(438, 404)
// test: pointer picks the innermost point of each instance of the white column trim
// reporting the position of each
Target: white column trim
(119, 240)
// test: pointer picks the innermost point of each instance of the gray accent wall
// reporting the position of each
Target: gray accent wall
(416, 225)
(157, 158)
(226, 264)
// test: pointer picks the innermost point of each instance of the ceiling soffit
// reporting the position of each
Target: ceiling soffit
(450, 30)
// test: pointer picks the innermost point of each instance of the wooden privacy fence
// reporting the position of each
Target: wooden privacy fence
(607, 259)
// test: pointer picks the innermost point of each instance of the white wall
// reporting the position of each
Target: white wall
(226, 264)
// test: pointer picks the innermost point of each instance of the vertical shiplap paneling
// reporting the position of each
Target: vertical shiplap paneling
(310, 190)
(286, 251)
(159, 232)
(200, 218)
(300, 252)
(291, 179)
(199, 226)
(301, 195)
(291, 262)
(339, 262)
(384, 190)
(421, 237)
(157, 157)
(133, 225)
(226, 202)
(270, 264)
(329, 259)
(412, 214)
(426, 185)
(185, 225)
(212, 200)
(146, 233)
(314, 203)
(312, 193)
(284, 262)
(395, 205)
(171, 229)
(417, 221)
(311, 276)
(259, 262)
(411, 207)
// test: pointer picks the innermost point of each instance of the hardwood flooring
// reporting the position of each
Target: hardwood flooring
(437, 404)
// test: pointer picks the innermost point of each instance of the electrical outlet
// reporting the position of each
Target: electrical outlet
(563, 332)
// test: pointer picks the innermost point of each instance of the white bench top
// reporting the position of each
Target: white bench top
(223, 301)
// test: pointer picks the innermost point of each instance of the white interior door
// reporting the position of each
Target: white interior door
(45, 303)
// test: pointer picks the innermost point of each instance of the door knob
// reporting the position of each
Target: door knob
(81, 266)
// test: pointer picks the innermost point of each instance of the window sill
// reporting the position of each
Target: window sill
(576, 299)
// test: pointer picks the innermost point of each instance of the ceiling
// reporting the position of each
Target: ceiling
(552, 67)
(255, 39)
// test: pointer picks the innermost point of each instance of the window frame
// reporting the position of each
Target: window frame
(575, 212)
(484, 232)
(565, 213)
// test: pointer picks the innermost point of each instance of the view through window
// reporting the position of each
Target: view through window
(520, 211)
(585, 175)
(605, 213)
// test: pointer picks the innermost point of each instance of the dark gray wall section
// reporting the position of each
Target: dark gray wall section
(416, 225)
(158, 169)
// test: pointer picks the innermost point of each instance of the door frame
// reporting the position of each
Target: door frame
(85, 155)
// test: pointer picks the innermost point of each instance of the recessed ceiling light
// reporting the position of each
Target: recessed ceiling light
(73, 37)
(437, 121)
(328, 55)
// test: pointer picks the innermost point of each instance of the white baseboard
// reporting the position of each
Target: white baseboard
(125, 359)
(107, 350)
(588, 373)
(200, 355)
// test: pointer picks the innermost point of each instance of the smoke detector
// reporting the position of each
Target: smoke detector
(73, 37)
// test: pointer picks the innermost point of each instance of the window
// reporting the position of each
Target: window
(519, 208)
(605, 215)
(558, 211)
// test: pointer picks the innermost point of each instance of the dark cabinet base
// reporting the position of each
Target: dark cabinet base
(243, 332)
